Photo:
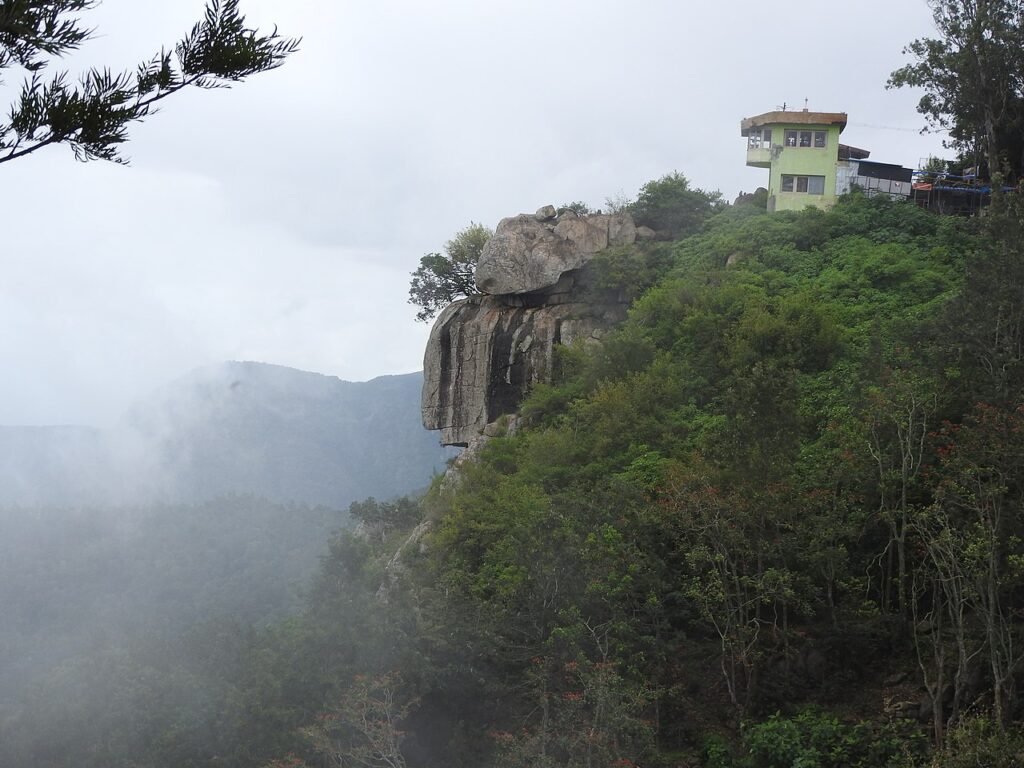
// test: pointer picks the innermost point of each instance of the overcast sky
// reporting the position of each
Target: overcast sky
(279, 221)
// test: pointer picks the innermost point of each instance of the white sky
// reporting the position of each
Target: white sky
(279, 221)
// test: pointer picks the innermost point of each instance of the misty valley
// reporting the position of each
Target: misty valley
(129, 555)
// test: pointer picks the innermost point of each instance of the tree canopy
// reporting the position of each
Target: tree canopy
(973, 81)
(92, 116)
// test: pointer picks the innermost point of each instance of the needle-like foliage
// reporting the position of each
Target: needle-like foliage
(92, 116)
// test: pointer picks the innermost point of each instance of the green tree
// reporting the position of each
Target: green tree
(900, 416)
(980, 741)
(672, 206)
(815, 739)
(442, 278)
(973, 80)
(92, 116)
(588, 715)
(980, 500)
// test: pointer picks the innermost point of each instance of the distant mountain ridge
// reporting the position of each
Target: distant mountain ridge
(236, 427)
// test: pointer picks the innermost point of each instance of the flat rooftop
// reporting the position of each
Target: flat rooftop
(786, 117)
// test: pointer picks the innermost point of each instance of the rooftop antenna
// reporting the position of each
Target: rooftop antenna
(782, 108)
(805, 105)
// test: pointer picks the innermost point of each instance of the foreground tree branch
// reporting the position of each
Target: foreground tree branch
(93, 116)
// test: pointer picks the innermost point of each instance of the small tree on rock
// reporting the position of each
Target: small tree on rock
(444, 277)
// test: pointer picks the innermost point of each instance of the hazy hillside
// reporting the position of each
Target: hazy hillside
(212, 498)
(276, 432)
(61, 464)
(74, 581)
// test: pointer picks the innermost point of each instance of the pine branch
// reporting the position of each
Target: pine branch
(93, 117)
(30, 29)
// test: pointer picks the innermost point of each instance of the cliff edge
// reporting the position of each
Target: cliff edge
(485, 352)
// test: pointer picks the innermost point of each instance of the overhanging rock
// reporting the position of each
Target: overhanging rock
(486, 352)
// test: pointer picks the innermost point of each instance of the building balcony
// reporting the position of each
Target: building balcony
(759, 157)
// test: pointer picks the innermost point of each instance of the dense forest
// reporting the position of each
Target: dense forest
(773, 520)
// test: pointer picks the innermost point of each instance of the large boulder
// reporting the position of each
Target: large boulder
(530, 253)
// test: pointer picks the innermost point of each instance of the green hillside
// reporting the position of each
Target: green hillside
(773, 521)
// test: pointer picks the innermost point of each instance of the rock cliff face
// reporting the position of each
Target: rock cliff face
(485, 352)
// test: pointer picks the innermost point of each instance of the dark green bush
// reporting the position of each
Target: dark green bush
(814, 739)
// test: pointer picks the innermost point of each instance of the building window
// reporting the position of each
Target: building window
(811, 185)
(816, 139)
(760, 139)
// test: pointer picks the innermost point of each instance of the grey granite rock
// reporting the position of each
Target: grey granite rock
(527, 254)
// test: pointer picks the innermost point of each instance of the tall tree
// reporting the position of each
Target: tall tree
(92, 116)
(973, 80)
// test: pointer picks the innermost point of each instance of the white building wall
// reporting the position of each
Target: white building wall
(846, 170)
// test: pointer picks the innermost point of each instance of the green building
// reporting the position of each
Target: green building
(802, 152)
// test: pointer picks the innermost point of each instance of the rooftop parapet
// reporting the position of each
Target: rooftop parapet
(782, 117)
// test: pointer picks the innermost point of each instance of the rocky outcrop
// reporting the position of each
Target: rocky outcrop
(395, 570)
(486, 352)
(752, 198)
(531, 253)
